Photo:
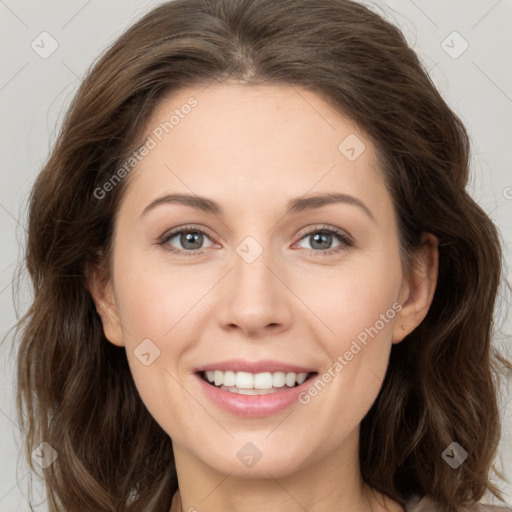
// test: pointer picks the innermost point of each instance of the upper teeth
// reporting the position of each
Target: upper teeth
(246, 380)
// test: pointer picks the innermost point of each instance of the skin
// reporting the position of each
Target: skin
(252, 149)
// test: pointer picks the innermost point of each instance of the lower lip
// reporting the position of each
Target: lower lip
(253, 405)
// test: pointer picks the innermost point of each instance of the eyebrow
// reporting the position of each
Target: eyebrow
(296, 205)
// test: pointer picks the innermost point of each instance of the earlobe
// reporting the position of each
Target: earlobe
(102, 292)
(419, 288)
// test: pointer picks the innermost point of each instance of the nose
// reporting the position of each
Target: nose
(254, 298)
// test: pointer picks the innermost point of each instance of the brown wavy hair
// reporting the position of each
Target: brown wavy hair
(75, 389)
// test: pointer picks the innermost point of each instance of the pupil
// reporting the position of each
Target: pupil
(190, 238)
(318, 238)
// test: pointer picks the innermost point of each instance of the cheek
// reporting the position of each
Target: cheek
(155, 298)
(158, 306)
(359, 305)
(352, 298)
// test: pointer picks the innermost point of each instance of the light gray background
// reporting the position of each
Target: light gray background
(35, 91)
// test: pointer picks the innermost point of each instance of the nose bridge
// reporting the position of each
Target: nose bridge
(254, 298)
(252, 278)
(251, 263)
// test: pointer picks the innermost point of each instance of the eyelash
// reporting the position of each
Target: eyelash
(345, 240)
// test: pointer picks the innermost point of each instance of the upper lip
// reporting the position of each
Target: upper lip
(241, 365)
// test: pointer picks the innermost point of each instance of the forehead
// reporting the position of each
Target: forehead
(255, 143)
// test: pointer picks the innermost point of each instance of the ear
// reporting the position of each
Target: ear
(418, 290)
(101, 289)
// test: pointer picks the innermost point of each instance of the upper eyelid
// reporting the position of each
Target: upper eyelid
(336, 231)
(173, 232)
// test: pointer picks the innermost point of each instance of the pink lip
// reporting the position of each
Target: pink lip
(239, 365)
(253, 406)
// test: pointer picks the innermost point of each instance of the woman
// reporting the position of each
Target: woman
(259, 279)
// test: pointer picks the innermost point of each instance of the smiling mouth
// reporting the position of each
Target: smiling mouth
(246, 383)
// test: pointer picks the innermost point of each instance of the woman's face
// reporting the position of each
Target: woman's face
(288, 264)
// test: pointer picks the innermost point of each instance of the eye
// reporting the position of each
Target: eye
(190, 239)
(320, 241)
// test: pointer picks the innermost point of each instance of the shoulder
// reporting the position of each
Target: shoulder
(427, 504)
